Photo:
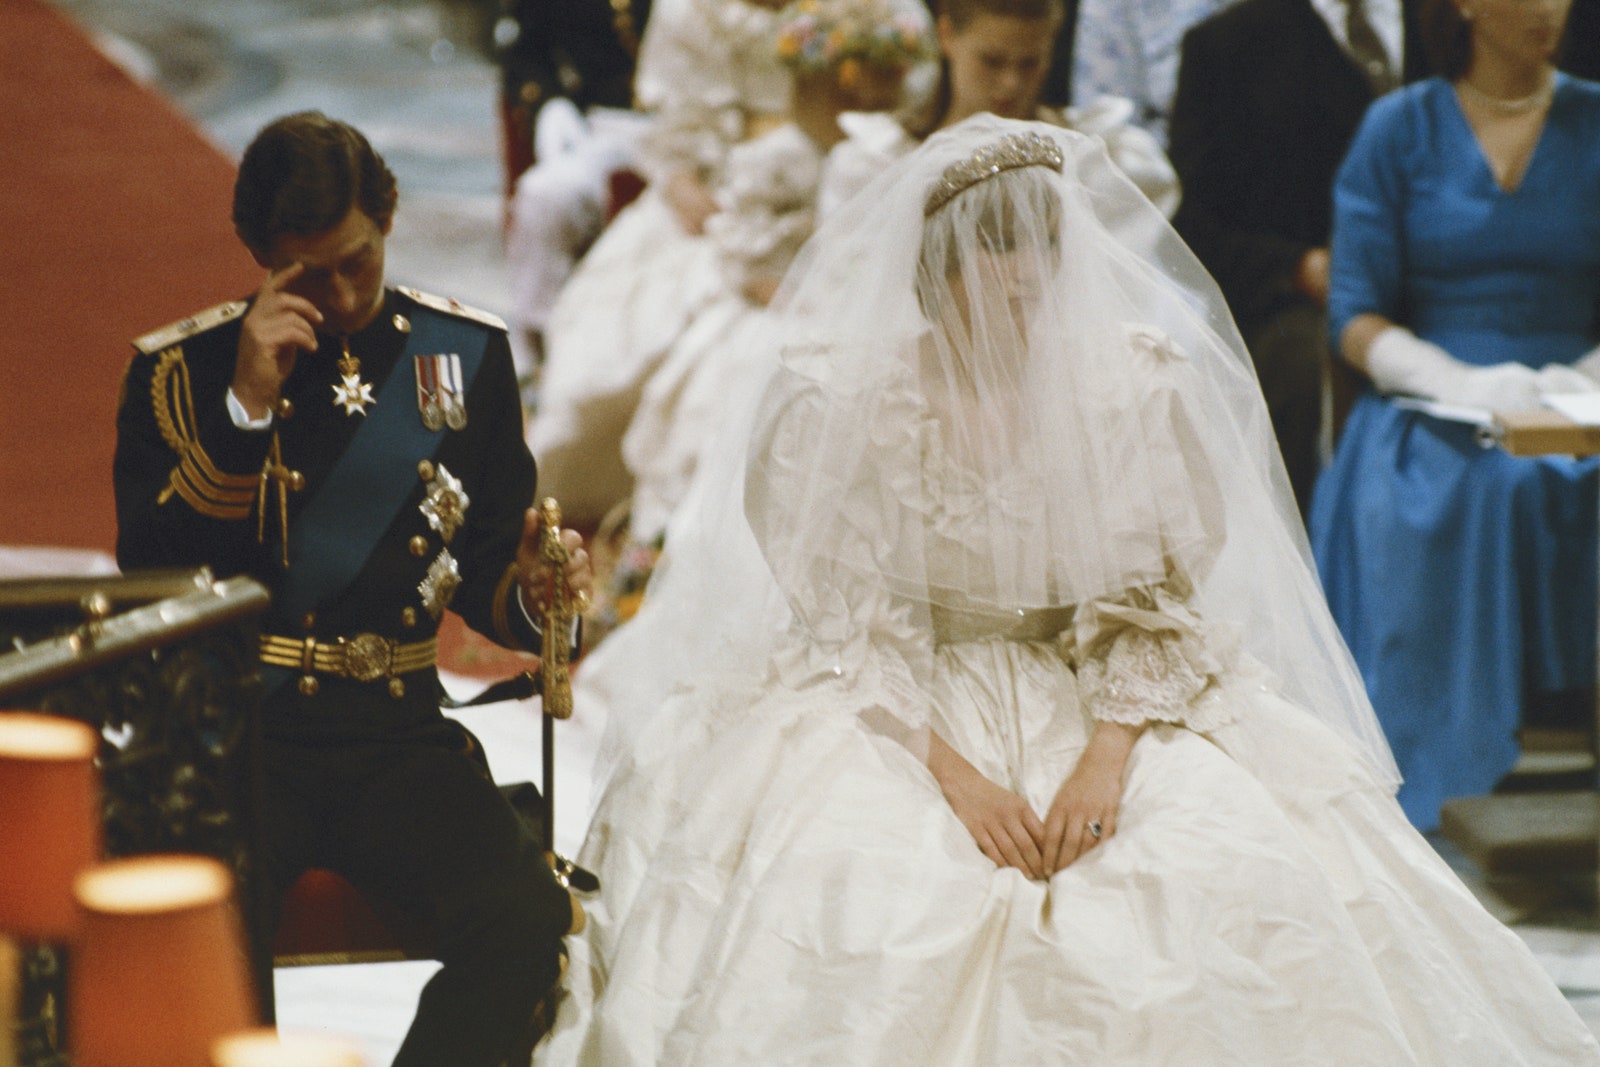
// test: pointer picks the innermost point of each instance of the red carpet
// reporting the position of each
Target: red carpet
(114, 220)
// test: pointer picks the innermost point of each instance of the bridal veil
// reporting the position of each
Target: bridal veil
(1002, 300)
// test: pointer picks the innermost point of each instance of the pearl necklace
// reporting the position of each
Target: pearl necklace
(1519, 106)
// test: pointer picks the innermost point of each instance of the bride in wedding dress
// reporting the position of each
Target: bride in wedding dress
(985, 708)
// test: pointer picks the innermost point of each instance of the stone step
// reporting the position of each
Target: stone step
(1526, 833)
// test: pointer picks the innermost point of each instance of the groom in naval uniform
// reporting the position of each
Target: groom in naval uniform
(359, 450)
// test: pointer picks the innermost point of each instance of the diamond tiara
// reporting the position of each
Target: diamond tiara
(1012, 151)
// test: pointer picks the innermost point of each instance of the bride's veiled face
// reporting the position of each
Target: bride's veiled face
(989, 292)
(993, 296)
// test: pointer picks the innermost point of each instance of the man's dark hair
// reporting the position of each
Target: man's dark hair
(1446, 38)
(302, 174)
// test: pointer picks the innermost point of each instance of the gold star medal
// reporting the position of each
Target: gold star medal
(440, 584)
(351, 393)
(445, 505)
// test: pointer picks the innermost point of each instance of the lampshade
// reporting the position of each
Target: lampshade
(49, 821)
(159, 971)
(10, 986)
(267, 1048)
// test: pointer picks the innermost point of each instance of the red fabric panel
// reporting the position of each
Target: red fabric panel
(114, 220)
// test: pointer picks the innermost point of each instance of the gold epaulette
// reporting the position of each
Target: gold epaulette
(183, 329)
(196, 479)
(453, 307)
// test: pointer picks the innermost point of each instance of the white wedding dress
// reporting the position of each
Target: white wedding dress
(768, 201)
(975, 500)
(782, 886)
(710, 76)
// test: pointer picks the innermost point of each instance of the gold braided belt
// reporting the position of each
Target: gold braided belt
(362, 657)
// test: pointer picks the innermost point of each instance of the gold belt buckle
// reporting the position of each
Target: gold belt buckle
(367, 657)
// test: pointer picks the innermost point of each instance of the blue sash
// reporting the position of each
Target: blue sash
(335, 534)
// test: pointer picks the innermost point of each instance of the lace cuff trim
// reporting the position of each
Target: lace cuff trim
(1147, 662)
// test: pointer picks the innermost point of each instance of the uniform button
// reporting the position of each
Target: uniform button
(425, 470)
(285, 408)
(419, 545)
(309, 621)
(297, 481)
(408, 616)
(402, 324)
(397, 688)
(308, 685)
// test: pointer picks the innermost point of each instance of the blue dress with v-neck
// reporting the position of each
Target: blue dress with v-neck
(1463, 578)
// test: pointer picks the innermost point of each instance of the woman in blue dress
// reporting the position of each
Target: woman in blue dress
(1466, 270)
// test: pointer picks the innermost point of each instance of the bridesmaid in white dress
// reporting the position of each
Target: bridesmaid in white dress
(988, 711)
(994, 55)
(709, 74)
(847, 56)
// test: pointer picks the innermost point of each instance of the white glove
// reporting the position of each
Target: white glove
(1589, 364)
(1398, 361)
(1565, 378)
(1498, 387)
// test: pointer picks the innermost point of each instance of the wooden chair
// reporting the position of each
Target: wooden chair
(326, 920)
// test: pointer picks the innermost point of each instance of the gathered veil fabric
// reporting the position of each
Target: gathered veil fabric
(1007, 472)
(1107, 435)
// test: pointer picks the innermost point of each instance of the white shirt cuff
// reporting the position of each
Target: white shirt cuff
(241, 418)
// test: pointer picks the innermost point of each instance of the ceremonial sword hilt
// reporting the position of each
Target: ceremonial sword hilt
(555, 657)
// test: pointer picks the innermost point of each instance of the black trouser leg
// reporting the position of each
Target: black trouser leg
(434, 834)
(419, 825)
(1290, 352)
(501, 959)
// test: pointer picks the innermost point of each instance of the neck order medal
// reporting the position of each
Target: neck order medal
(351, 393)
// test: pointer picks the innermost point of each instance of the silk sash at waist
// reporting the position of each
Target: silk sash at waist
(955, 625)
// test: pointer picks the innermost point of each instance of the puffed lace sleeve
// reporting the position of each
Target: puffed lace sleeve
(1144, 654)
(854, 633)
(1145, 657)
(705, 67)
(768, 200)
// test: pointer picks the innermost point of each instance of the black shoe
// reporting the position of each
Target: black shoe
(542, 1020)
(544, 1012)
(575, 878)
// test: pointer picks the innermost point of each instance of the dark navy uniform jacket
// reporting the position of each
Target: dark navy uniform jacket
(190, 491)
